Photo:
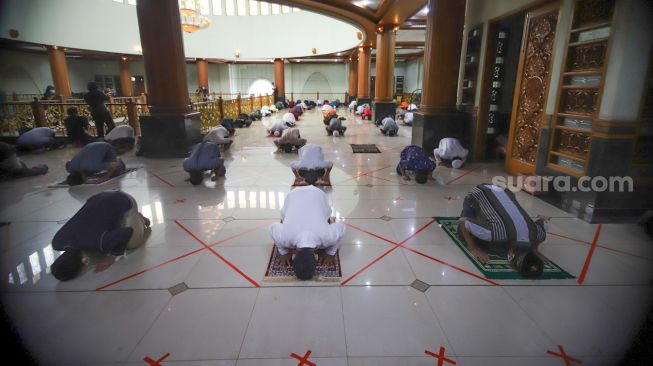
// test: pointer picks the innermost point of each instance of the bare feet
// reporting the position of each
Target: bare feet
(104, 263)
(285, 260)
(324, 259)
(480, 255)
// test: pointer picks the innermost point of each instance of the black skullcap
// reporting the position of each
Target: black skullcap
(304, 263)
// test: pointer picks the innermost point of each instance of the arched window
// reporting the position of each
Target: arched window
(260, 87)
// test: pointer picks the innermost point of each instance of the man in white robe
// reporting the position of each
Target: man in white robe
(450, 152)
(311, 167)
(307, 228)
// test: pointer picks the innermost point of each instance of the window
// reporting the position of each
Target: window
(285, 9)
(265, 8)
(260, 87)
(217, 7)
(242, 7)
(230, 7)
(276, 9)
(204, 7)
(253, 7)
(131, 2)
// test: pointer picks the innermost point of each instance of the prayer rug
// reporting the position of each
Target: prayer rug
(95, 179)
(365, 149)
(498, 267)
(278, 273)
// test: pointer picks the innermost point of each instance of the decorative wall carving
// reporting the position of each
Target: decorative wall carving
(587, 56)
(533, 86)
(580, 100)
(574, 143)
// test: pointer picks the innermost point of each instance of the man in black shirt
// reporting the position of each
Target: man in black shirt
(77, 128)
(101, 115)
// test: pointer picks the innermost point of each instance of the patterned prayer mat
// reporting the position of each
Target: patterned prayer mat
(365, 149)
(95, 179)
(498, 267)
(277, 273)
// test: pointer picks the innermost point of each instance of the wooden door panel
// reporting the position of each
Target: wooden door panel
(532, 89)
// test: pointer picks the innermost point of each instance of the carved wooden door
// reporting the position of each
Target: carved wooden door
(531, 89)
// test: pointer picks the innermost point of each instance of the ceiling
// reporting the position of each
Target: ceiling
(363, 17)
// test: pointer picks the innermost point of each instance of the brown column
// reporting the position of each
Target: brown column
(170, 128)
(364, 60)
(202, 73)
(444, 32)
(353, 79)
(279, 80)
(125, 77)
(437, 117)
(163, 55)
(385, 64)
(59, 70)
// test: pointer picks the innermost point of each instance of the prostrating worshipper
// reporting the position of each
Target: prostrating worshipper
(310, 104)
(96, 158)
(77, 128)
(352, 106)
(319, 102)
(413, 161)
(291, 104)
(335, 127)
(122, 138)
(328, 115)
(360, 109)
(298, 109)
(302, 104)
(326, 102)
(306, 230)
(37, 139)
(389, 127)
(218, 136)
(408, 118)
(256, 115)
(399, 114)
(367, 112)
(404, 105)
(99, 112)
(228, 123)
(412, 107)
(204, 156)
(311, 165)
(243, 120)
(326, 107)
(336, 104)
(492, 217)
(107, 225)
(279, 106)
(289, 119)
(289, 139)
(265, 111)
(276, 129)
(450, 153)
(12, 167)
(274, 108)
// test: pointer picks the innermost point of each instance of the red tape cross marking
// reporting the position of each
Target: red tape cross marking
(568, 359)
(440, 356)
(218, 255)
(363, 174)
(586, 266)
(401, 245)
(161, 179)
(103, 287)
(603, 247)
(151, 362)
(303, 360)
(460, 176)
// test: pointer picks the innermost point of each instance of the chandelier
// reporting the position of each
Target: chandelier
(191, 18)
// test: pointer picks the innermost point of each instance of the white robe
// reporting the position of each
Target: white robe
(120, 132)
(311, 157)
(289, 117)
(305, 216)
(278, 125)
(450, 148)
(265, 111)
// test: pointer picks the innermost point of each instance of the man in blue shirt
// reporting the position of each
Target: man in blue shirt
(95, 158)
(205, 156)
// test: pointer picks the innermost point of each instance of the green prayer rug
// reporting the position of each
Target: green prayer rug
(498, 267)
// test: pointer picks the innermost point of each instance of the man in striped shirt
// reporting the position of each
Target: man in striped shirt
(492, 216)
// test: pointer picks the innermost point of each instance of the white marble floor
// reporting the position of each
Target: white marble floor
(230, 316)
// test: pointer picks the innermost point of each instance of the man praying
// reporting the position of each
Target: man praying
(311, 167)
(97, 158)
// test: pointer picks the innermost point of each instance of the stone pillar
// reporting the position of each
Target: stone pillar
(353, 80)
(364, 59)
(202, 73)
(59, 70)
(385, 73)
(169, 129)
(438, 117)
(279, 80)
(125, 77)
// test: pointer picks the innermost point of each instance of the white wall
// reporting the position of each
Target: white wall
(24, 73)
(632, 38)
(330, 80)
(414, 73)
